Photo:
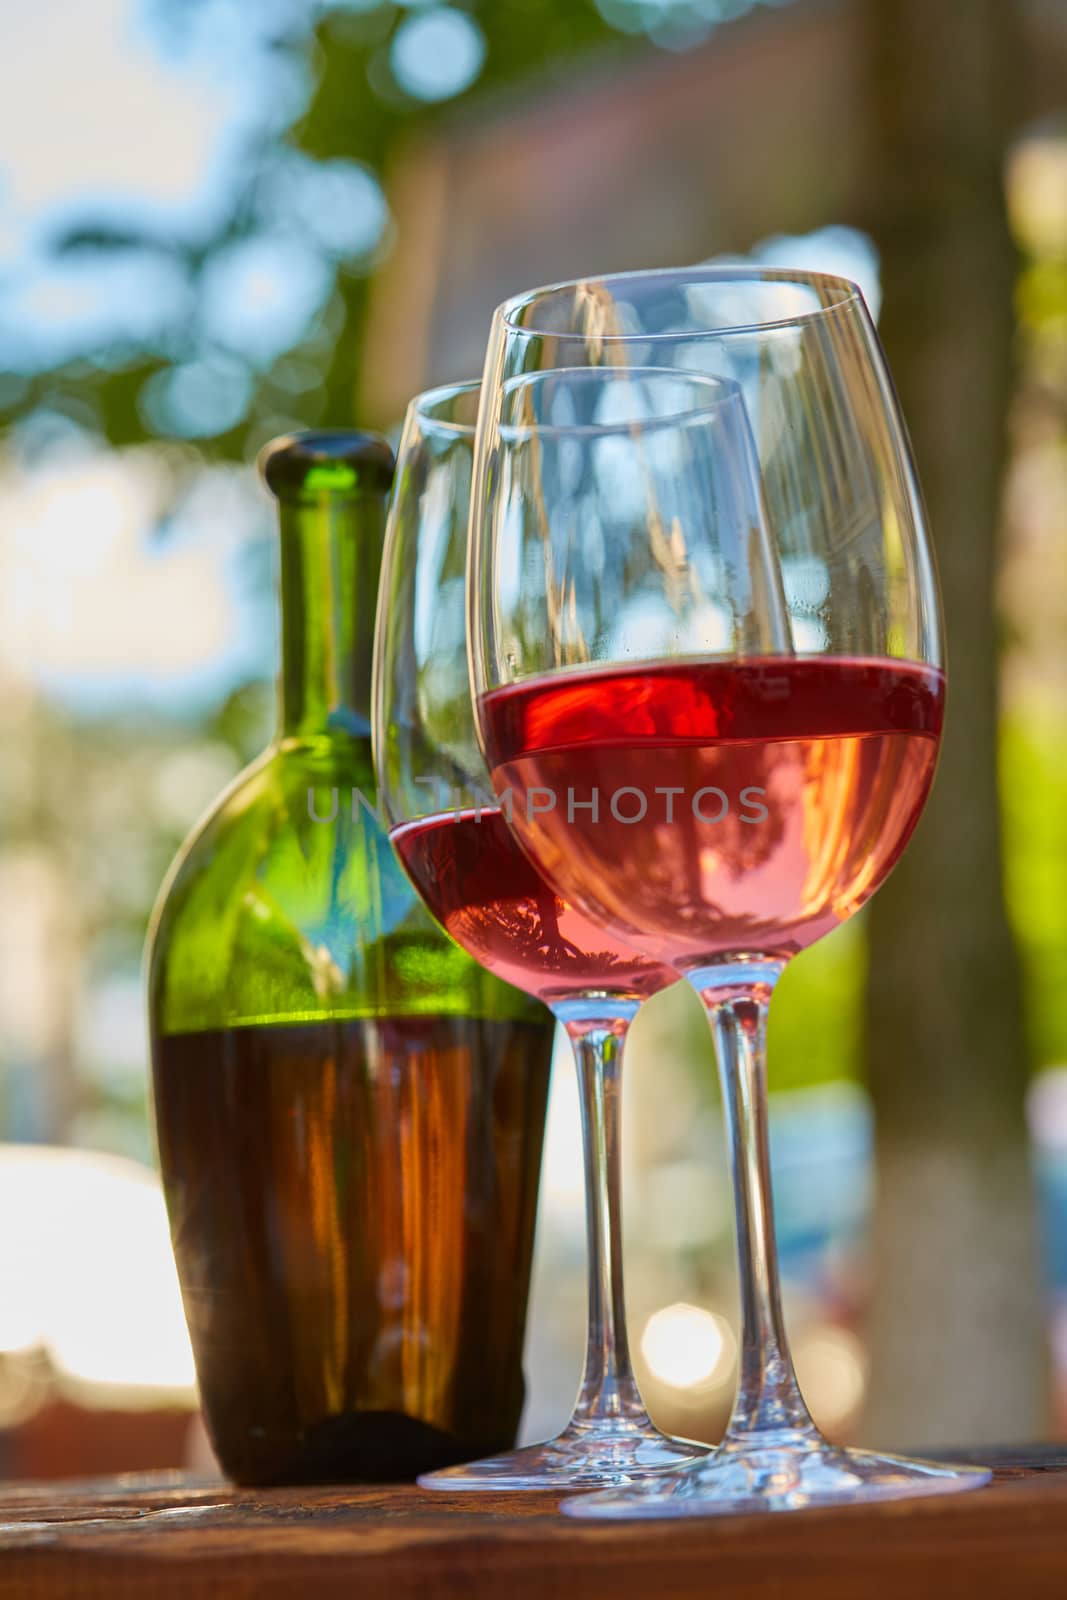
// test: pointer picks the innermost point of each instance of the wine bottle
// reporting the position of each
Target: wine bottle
(349, 1110)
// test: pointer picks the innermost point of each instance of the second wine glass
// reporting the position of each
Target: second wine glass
(459, 852)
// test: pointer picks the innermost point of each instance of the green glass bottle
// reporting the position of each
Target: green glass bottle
(349, 1110)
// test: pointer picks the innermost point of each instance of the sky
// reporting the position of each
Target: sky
(96, 610)
(104, 122)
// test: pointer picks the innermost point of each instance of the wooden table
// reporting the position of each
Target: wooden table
(172, 1537)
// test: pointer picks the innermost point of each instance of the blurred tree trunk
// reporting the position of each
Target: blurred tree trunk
(957, 1334)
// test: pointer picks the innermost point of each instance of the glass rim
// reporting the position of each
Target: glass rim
(422, 405)
(846, 293)
(722, 392)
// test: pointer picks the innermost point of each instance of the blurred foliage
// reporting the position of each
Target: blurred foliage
(1033, 757)
(1033, 731)
(816, 1022)
(352, 119)
(356, 113)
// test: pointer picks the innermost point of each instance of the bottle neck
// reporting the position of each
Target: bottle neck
(331, 551)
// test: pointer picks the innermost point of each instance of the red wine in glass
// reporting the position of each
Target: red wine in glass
(490, 897)
(717, 806)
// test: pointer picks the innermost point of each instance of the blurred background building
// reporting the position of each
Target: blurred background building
(222, 219)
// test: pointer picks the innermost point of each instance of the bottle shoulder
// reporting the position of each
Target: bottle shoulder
(287, 902)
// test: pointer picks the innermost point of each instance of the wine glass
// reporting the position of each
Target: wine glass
(757, 674)
(448, 832)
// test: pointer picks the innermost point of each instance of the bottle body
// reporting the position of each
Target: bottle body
(349, 1117)
(353, 1207)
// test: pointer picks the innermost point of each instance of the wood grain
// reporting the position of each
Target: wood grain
(172, 1537)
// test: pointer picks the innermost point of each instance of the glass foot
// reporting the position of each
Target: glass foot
(783, 1472)
(605, 1455)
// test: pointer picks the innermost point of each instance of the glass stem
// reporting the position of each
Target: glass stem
(737, 996)
(608, 1389)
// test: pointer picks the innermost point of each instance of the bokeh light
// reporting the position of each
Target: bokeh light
(437, 54)
(339, 204)
(831, 1367)
(259, 294)
(88, 1274)
(687, 1347)
(199, 399)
